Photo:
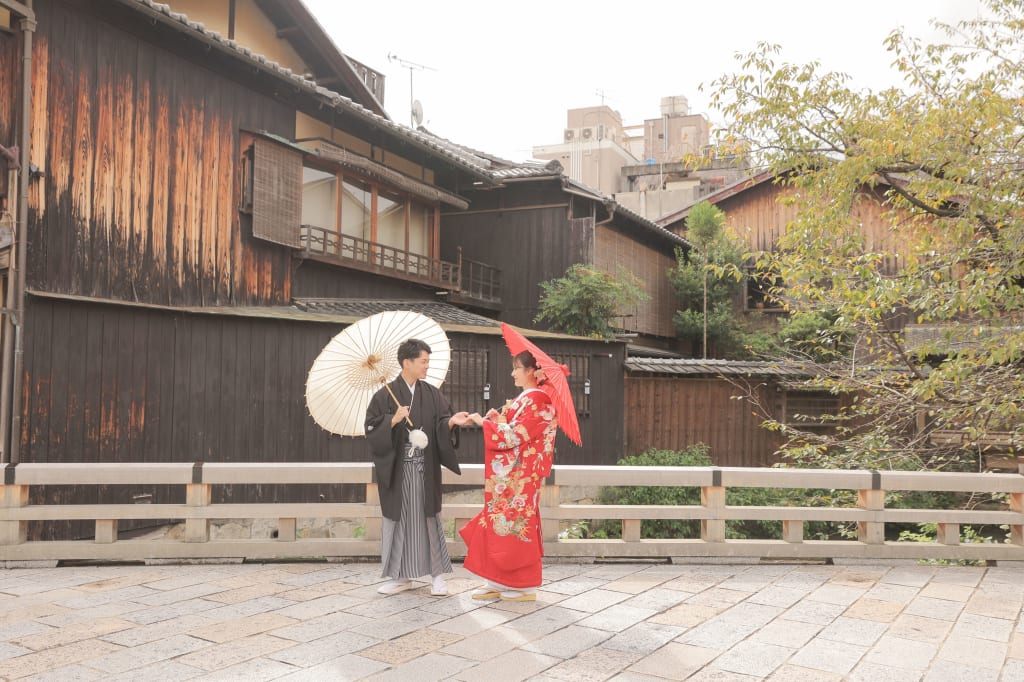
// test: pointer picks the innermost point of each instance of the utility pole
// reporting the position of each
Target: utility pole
(412, 66)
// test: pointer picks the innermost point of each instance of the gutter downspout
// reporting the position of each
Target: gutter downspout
(14, 321)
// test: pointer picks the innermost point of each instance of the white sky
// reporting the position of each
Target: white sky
(502, 74)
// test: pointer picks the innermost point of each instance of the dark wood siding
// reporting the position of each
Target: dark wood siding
(528, 245)
(673, 413)
(616, 251)
(319, 280)
(118, 383)
(140, 149)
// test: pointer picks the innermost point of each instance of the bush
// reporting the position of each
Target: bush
(698, 455)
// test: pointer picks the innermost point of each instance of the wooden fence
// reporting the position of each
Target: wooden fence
(870, 514)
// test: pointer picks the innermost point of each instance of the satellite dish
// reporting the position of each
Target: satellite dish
(417, 112)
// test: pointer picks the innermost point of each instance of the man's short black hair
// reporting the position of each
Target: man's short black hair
(410, 349)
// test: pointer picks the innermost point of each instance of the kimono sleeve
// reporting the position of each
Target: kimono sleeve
(447, 439)
(380, 437)
(527, 426)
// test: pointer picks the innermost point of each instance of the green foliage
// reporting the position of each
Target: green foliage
(940, 156)
(698, 455)
(585, 300)
(929, 532)
(708, 282)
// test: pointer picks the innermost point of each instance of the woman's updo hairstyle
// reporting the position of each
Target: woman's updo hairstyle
(526, 359)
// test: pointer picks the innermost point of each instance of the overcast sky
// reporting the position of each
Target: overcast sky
(499, 77)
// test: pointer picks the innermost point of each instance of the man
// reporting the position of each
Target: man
(409, 477)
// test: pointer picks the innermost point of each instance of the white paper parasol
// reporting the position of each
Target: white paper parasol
(354, 365)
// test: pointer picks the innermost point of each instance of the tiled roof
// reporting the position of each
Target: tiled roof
(442, 313)
(615, 207)
(691, 366)
(181, 22)
(646, 352)
(953, 338)
(489, 168)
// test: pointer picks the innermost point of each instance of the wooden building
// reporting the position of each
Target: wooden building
(756, 214)
(673, 404)
(194, 219)
(544, 222)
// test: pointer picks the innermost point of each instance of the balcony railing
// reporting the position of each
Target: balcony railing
(466, 277)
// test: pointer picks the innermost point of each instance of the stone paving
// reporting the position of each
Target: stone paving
(602, 621)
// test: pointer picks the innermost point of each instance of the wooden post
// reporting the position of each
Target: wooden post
(1017, 530)
(871, 532)
(631, 529)
(286, 530)
(713, 499)
(373, 525)
(549, 500)
(197, 495)
(106, 531)
(948, 533)
(793, 531)
(13, 532)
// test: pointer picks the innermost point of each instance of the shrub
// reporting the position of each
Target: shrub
(698, 455)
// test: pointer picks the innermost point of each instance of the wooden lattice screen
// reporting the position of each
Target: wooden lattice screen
(277, 193)
(467, 375)
(579, 366)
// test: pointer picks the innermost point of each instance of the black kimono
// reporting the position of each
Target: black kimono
(409, 480)
(430, 412)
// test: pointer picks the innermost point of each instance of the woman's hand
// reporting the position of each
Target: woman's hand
(493, 414)
(539, 375)
(476, 419)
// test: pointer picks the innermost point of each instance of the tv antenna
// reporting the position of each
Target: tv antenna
(415, 108)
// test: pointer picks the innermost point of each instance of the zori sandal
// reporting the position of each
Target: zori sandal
(518, 596)
(486, 593)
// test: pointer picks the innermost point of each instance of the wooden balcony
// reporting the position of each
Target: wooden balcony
(467, 280)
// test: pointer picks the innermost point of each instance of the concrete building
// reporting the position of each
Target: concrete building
(647, 168)
(593, 148)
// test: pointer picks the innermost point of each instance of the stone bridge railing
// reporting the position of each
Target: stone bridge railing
(870, 514)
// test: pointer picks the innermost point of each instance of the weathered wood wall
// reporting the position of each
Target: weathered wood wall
(529, 245)
(311, 279)
(617, 251)
(140, 150)
(113, 383)
(759, 218)
(10, 76)
(673, 413)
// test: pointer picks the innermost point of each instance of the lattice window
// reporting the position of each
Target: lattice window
(579, 365)
(277, 193)
(467, 375)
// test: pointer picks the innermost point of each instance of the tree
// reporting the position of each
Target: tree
(585, 300)
(707, 283)
(944, 155)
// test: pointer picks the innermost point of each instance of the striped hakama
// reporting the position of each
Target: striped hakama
(414, 545)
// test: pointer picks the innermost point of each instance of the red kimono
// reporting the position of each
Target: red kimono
(503, 541)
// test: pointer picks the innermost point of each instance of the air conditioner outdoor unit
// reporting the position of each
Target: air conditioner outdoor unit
(587, 132)
(569, 134)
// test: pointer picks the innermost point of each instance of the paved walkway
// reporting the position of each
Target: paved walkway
(621, 621)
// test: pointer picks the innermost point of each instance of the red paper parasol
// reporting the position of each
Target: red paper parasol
(555, 384)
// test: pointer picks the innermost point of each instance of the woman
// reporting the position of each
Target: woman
(503, 541)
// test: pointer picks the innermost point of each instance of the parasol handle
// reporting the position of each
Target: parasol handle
(407, 420)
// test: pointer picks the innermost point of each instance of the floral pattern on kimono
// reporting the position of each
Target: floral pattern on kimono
(518, 457)
(503, 541)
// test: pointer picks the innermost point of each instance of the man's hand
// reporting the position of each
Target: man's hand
(458, 419)
(400, 415)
